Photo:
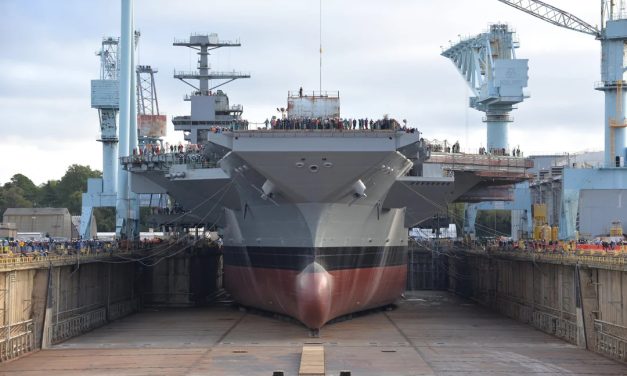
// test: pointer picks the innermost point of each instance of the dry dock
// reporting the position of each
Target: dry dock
(430, 333)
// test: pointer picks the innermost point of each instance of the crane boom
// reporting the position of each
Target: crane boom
(553, 15)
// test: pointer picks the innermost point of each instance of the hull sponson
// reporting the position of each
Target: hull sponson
(315, 296)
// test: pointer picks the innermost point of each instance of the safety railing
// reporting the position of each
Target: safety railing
(41, 261)
(318, 94)
(555, 325)
(69, 313)
(123, 308)
(166, 160)
(212, 40)
(514, 308)
(480, 160)
(88, 247)
(17, 260)
(211, 74)
(609, 84)
(214, 126)
(611, 339)
(77, 325)
(319, 133)
(573, 258)
(16, 340)
(616, 259)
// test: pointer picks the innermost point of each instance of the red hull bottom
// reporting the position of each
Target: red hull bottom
(315, 297)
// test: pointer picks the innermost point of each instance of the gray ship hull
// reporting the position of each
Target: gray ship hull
(308, 242)
(309, 229)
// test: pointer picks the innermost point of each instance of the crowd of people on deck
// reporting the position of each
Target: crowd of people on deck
(190, 152)
(446, 147)
(158, 148)
(307, 123)
(181, 153)
(501, 152)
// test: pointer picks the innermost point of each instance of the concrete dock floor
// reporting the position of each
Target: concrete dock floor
(430, 333)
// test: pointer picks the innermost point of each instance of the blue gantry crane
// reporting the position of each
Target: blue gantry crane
(105, 98)
(118, 94)
(587, 199)
(613, 37)
(496, 77)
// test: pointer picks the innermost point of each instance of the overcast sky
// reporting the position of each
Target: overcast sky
(383, 57)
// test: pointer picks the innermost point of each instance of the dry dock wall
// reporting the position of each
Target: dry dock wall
(579, 303)
(427, 269)
(43, 303)
(190, 279)
(41, 306)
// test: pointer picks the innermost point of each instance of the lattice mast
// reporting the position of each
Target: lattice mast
(209, 108)
(147, 102)
(203, 44)
(151, 123)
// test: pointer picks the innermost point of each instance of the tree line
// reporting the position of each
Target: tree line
(21, 192)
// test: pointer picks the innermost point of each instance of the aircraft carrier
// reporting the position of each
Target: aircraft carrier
(313, 213)
(310, 227)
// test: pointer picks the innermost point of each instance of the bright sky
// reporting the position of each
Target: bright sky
(383, 57)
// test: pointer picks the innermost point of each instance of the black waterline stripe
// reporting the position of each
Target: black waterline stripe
(331, 258)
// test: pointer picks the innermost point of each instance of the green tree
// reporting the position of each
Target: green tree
(105, 219)
(72, 185)
(21, 192)
(74, 202)
(29, 189)
(13, 197)
(48, 195)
